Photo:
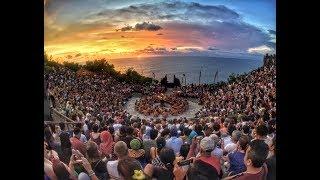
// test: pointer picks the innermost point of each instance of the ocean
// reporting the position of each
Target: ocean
(190, 66)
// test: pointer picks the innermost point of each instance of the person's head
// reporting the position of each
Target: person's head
(198, 128)
(130, 131)
(77, 132)
(95, 128)
(47, 134)
(61, 171)
(173, 132)
(184, 150)
(111, 129)
(135, 144)
(261, 131)
(243, 142)
(201, 171)
(256, 154)
(121, 149)
(187, 131)
(167, 157)
(93, 152)
(206, 146)
(216, 126)
(127, 167)
(245, 129)
(165, 132)
(161, 143)
(231, 128)
(207, 130)
(215, 138)
(153, 134)
(123, 130)
(62, 126)
(235, 136)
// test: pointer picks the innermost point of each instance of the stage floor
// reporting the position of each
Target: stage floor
(190, 113)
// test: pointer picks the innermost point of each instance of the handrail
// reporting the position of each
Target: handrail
(57, 116)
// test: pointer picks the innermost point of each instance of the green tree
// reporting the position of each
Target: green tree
(72, 66)
(100, 66)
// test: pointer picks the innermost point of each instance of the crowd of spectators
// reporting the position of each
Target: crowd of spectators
(232, 137)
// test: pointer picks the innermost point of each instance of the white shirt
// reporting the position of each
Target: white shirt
(112, 167)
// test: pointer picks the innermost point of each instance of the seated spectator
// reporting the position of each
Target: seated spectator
(62, 172)
(232, 146)
(65, 144)
(167, 157)
(184, 150)
(129, 135)
(137, 152)
(95, 159)
(206, 147)
(262, 133)
(76, 143)
(255, 158)
(106, 145)
(95, 135)
(161, 143)
(148, 143)
(130, 169)
(121, 151)
(271, 161)
(236, 158)
(174, 142)
(217, 151)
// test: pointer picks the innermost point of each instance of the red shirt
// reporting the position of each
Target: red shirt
(262, 175)
(213, 161)
(78, 145)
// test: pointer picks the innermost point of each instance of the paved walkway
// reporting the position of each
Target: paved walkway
(190, 113)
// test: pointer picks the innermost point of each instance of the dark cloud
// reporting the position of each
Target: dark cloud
(123, 36)
(141, 26)
(147, 26)
(168, 11)
(126, 28)
(272, 32)
(159, 34)
(69, 56)
(151, 50)
(173, 49)
(77, 55)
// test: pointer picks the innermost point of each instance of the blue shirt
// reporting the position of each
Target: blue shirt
(175, 144)
(236, 162)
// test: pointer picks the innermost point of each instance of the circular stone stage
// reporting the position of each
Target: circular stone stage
(190, 113)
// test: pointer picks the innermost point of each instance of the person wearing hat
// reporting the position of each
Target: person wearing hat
(137, 152)
(204, 158)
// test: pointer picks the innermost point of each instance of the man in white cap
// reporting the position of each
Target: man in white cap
(207, 145)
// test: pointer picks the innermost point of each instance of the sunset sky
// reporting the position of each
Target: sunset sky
(79, 30)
